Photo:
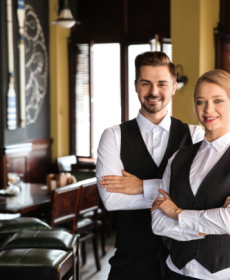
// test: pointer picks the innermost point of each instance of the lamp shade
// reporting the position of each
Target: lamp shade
(66, 19)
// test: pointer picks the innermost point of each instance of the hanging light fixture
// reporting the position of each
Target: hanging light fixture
(65, 18)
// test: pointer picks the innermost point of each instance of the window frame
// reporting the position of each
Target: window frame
(72, 47)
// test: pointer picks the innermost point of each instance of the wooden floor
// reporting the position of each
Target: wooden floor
(88, 271)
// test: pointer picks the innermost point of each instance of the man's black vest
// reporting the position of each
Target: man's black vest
(134, 232)
(213, 252)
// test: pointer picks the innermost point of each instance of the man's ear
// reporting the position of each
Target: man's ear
(174, 88)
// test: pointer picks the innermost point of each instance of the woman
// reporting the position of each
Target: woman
(196, 213)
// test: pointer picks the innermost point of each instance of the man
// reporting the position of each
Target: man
(142, 148)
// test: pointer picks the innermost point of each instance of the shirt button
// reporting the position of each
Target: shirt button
(194, 251)
(155, 139)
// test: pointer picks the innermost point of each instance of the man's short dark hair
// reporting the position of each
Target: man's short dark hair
(154, 59)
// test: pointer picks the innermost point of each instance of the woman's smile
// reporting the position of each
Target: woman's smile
(213, 110)
(210, 119)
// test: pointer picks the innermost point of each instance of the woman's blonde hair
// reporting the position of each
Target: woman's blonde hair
(218, 77)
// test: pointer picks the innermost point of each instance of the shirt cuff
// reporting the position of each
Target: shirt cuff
(150, 189)
(188, 219)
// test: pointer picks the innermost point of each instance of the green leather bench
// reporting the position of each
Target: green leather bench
(9, 227)
(36, 264)
(60, 240)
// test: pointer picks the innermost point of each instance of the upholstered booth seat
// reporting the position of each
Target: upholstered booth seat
(9, 227)
(47, 240)
(42, 239)
(36, 264)
(19, 224)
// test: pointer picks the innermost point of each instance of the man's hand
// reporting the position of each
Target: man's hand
(227, 202)
(127, 184)
(166, 205)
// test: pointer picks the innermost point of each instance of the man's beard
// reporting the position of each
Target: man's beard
(149, 108)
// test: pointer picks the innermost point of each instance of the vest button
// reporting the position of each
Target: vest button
(194, 251)
(164, 238)
(195, 206)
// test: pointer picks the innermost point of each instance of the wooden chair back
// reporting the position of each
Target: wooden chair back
(54, 181)
(90, 198)
(64, 206)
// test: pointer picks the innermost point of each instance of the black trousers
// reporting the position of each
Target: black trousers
(176, 276)
(125, 266)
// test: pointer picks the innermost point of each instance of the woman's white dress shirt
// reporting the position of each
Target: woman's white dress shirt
(191, 222)
(109, 162)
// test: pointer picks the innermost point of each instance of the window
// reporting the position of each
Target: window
(97, 94)
(83, 102)
(102, 85)
(106, 90)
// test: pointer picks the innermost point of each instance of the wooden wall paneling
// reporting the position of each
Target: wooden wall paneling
(225, 54)
(72, 95)
(3, 171)
(91, 97)
(14, 158)
(124, 83)
(18, 164)
(39, 161)
(99, 19)
(222, 38)
(217, 49)
(224, 23)
(103, 20)
(147, 18)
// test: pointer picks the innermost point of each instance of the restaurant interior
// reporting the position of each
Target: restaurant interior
(66, 74)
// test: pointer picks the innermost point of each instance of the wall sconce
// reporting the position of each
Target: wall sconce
(65, 18)
(181, 79)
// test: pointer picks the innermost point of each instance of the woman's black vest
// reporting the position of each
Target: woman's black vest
(213, 252)
(134, 232)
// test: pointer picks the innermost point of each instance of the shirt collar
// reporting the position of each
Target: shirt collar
(217, 144)
(145, 125)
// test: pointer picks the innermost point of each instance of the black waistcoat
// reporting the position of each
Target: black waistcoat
(134, 232)
(213, 251)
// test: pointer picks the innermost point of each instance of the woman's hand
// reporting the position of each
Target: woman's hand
(166, 205)
(127, 184)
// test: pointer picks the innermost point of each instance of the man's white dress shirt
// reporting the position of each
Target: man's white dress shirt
(109, 162)
(191, 222)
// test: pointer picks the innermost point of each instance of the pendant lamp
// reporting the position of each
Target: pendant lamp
(65, 18)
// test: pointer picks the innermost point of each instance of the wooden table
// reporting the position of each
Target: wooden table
(31, 197)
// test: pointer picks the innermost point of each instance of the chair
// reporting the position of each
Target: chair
(36, 264)
(73, 201)
(54, 181)
(65, 203)
(59, 240)
(88, 227)
(62, 210)
(64, 163)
